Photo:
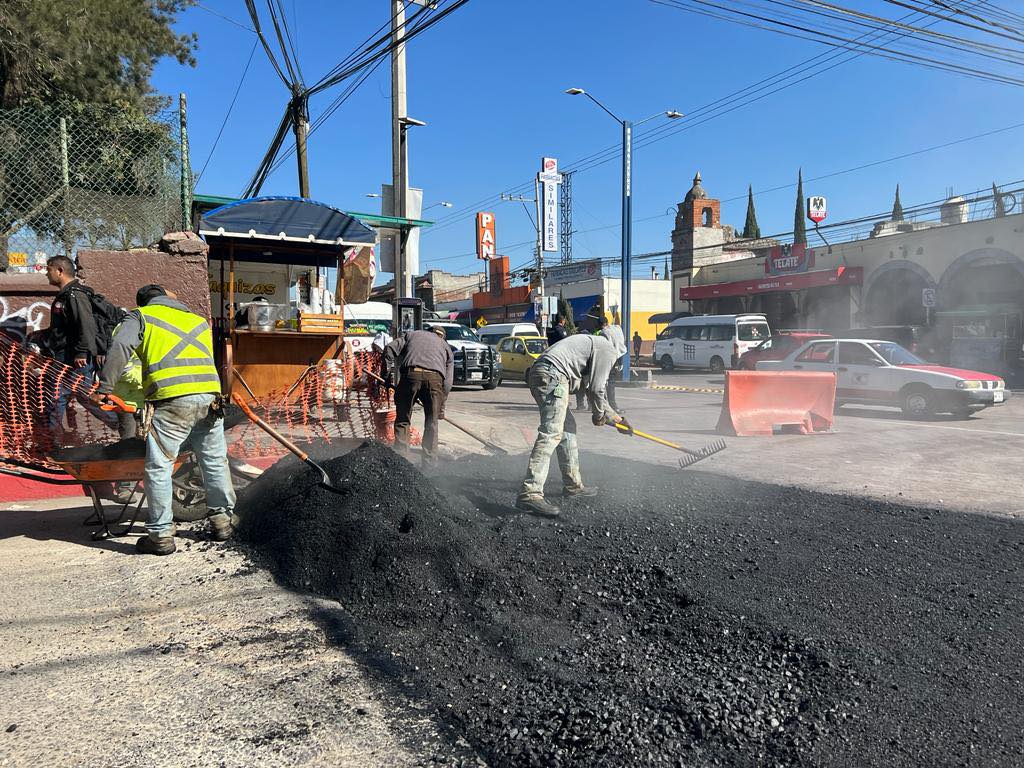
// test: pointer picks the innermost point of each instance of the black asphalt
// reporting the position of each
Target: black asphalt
(679, 618)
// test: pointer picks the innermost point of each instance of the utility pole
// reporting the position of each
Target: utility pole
(300, 125)
(399, 147)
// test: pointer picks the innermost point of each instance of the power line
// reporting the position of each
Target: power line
(228, 19)
(231, 106)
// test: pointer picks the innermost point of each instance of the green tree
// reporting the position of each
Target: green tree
(799, 225)
(751, 231)
(998, 204)
(565, 310)
(897, 206)
(667, 274)
(88, 62)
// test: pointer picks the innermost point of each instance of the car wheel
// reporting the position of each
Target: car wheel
(666, 364)
(492, 384)
(918, 401)
(717, 364)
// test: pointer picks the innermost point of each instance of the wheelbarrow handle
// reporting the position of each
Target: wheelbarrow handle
(115, 403)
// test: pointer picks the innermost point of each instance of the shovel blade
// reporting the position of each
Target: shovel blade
(708, 450)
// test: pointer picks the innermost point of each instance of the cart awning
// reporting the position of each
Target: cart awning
(291, 221)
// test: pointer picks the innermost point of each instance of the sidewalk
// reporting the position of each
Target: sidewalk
(116, 659)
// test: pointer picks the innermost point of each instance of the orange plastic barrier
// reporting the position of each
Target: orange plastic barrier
(759, 402)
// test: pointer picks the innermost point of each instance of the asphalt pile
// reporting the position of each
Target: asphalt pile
(579, 643)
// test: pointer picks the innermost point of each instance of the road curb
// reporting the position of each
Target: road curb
(700, 390)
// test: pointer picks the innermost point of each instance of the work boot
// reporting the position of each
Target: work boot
(155, 545)
(538, 505)
(579, 491)
(221, 527)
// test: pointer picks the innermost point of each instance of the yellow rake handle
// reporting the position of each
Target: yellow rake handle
(653, 439)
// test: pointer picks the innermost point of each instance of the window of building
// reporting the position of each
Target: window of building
(709, 217)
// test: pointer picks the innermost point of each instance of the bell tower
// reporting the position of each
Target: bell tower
(698, 235)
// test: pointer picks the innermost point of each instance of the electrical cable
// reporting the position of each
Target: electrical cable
(231, 106)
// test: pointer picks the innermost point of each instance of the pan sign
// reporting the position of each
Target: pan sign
(485, 243)
(817, 209)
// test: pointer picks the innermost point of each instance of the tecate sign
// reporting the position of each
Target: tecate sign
(485, 243)
(817, 209)
(549, 202)
(788, 259)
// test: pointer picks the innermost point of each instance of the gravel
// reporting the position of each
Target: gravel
(678, 618)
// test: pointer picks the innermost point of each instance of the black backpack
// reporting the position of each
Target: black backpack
(106, 315)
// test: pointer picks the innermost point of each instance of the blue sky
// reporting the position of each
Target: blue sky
(490, 78)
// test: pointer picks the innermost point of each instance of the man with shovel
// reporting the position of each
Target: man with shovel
(421, 368)
(577, 362)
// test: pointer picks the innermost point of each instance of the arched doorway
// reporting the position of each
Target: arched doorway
(893, 294)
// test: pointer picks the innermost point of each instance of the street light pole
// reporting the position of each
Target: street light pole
(626, 300)
(399, 156)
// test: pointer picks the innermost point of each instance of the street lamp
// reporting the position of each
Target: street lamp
(627, 209)
(443, 204)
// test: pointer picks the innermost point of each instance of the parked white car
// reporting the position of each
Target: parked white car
(884, 373)
(710, 342)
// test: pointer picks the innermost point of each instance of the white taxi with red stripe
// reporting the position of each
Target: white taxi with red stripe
(884, 373)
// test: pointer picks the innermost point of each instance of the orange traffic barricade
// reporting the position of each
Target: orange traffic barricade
(764, 402)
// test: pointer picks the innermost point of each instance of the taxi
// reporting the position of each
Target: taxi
(518, 354)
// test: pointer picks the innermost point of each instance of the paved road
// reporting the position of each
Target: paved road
(974, 464)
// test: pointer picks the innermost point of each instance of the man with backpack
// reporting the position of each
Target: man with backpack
(81, 326)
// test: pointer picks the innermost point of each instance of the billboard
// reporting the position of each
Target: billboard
(549, 179)
(388, 237)
(788, 259)
(486, 244)
(574, 272)
(817, 209)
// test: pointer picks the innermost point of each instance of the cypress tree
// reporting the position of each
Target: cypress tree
(750, 229)
(897, 206)
(667, 275)
(799, 225)
(998, 204)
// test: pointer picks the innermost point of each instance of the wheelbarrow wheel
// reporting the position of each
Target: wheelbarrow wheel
(188, 496)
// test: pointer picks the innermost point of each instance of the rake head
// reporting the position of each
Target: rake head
(708, 450)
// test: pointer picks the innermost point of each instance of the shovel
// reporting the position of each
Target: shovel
(691, 457)
(496, 449)
(325, 480)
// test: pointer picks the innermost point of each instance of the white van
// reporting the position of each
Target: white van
(495, 332)
(709, 341)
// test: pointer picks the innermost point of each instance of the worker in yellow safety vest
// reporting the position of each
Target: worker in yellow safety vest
(180, 381)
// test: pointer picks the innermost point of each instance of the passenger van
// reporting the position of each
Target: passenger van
(495, 332)
(709, 341)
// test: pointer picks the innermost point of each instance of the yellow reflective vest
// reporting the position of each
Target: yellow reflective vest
(176, 354)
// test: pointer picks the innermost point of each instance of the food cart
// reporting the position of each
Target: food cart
(258, 359)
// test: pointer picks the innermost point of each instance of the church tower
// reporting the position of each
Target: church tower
(698, 235)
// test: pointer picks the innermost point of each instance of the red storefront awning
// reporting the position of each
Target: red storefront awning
(768, 284)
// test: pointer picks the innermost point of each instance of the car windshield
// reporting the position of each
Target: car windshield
(459, 333)
(752, 331)
(535, 346)
(895, 354)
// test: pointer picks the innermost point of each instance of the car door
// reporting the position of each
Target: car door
(860, 373)
(720, 343)
(816, 356)
(670, 343)
(684, 351)
(509, 360)
(522, 359)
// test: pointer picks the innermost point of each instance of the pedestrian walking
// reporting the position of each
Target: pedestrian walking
(562, 369)
(421, 369)
(557, 332)
(637, 345)
(182, 387)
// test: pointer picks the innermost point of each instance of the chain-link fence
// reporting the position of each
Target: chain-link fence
(92, 177)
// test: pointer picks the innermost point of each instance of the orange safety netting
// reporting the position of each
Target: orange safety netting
(336, 399)
(32, 426)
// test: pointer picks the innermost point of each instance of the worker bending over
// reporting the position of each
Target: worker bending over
(181, 383)
(421, 368)
(574, 363)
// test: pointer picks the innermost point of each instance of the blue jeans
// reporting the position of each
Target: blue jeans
(181, 423)
(557, 432)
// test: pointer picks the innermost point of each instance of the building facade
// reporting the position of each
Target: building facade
(961, 278)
